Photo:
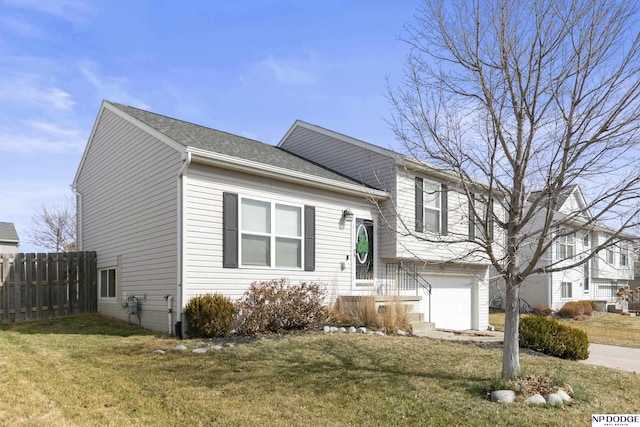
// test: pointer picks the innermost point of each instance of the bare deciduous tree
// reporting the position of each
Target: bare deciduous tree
(54, 228)
(529, 98)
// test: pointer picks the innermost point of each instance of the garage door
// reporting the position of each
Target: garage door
(451, 301)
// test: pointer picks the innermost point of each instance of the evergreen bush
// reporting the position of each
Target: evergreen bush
(550, 337)
(209, 315)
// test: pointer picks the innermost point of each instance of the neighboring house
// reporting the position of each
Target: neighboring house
(597, 279)
(9, 240)
(176, 210)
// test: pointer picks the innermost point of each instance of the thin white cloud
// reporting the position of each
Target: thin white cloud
(75, 11)
(289, 72)
(25, 143)
(110, 88)
(294, 72)
(28, 90)
(20, 26)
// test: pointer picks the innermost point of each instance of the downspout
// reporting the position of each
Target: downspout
(182, 187)
(78, 218)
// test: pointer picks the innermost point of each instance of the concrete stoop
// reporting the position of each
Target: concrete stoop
(423, 329)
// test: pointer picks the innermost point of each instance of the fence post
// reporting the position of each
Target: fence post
(4, 280)
(41, 260)
(18, 265)
(28, 285)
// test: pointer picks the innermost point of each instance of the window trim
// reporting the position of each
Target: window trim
(115, 285)
(564, 287)
(272, 234)
(566, 241)
(610, 256)
(420, 206)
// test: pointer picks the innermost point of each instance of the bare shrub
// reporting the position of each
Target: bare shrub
(276, 305)
(393, 317)
(356, 310)
(542, 310)
(362, 311)
(576, 310)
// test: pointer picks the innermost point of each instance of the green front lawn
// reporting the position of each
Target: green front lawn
(89, 370)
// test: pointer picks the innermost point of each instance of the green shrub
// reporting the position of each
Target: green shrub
(550, 337)
(276, 305)
(210, 315)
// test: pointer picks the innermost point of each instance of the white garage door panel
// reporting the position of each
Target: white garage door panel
(451, 302)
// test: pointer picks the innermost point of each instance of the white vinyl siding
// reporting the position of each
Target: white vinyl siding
(373, 168)
(129, 206)
(203, 233)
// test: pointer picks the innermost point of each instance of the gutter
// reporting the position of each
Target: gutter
(281, 174)
(182, 189)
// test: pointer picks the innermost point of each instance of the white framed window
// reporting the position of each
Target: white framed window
(432, 206)
(270, 234)
(610, 256)
(566, 290)
(585, 240)
(566, 244)
(623, 255)
(107, 285)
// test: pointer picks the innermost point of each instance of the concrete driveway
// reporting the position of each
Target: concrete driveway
(610, 356)
(625, 358)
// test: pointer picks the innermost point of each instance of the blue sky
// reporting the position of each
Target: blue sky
(246, 67)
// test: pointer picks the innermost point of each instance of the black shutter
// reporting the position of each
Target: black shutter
(309, 238)
(472, 219)
(419, 206)
(444, 209)
(230, 230)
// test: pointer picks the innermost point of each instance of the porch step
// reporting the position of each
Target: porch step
(414, 317)
(422, 329)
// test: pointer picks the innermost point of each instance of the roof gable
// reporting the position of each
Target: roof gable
(8, 233)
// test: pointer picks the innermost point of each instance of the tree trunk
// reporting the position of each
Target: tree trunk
(511, 347)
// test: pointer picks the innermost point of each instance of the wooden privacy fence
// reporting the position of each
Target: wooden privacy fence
(41, 286)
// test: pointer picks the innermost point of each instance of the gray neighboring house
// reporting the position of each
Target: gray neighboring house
(9, 240)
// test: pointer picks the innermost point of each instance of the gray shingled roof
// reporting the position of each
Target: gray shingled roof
(191, 135)
(564, 195)
(8, 232)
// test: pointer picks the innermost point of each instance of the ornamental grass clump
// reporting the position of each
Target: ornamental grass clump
(209, 315)
(550, 337)
(277, 306)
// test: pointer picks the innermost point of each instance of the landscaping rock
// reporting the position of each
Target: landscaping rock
(200, 350)
(362, 330)
(352, 330)
(181, 347)
(343, 329)
(334, 329)
(563, 394)
(503, 396)
(160, 352)
(536, 399)
(401, 333)
(554, 399)
(217, 347)
(230, 345)
(326, 329)
(380, 333)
